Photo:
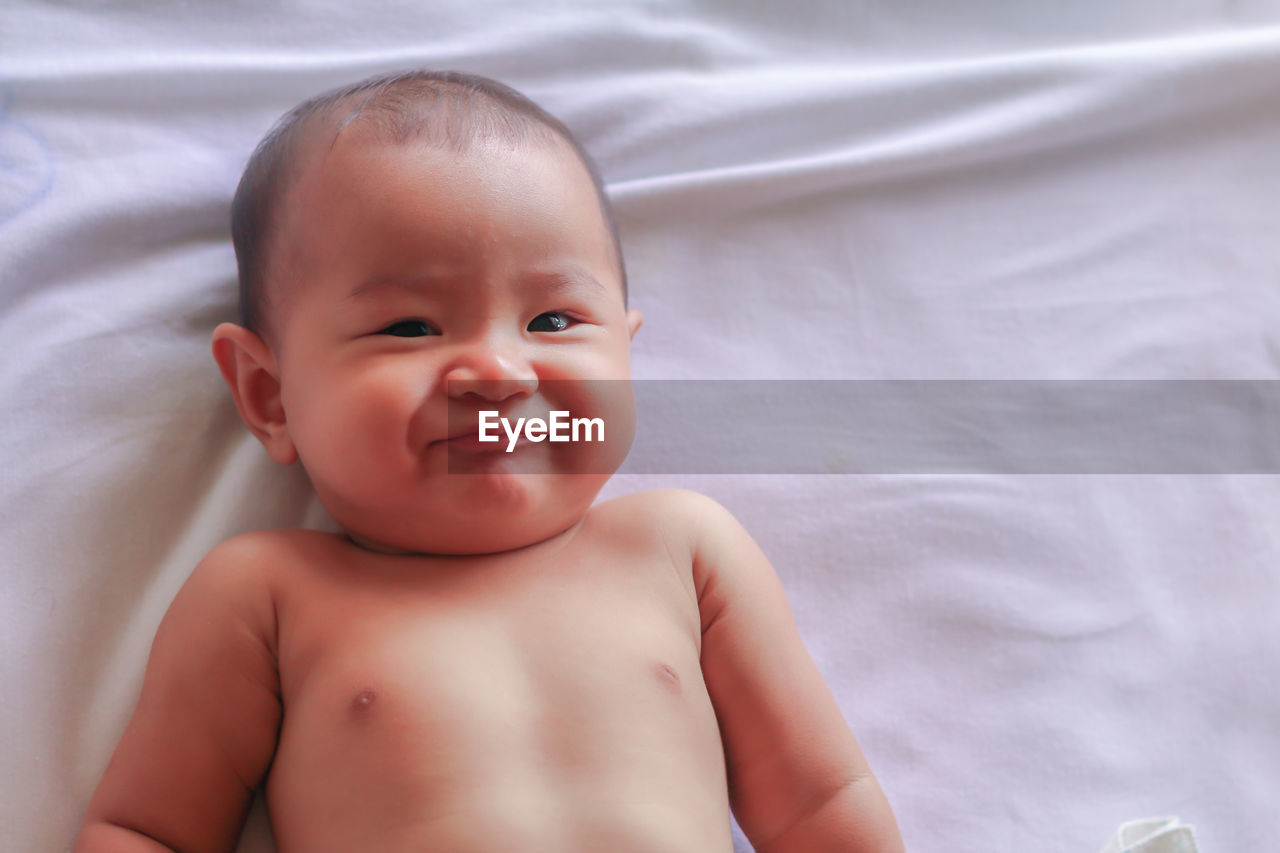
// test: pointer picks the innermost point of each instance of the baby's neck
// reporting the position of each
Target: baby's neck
(369, 545)
(377, 547)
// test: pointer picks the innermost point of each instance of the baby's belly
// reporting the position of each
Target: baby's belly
(477, 736)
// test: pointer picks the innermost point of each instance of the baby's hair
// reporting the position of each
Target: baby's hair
(450, 110)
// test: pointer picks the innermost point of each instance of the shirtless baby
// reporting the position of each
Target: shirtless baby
(482, 660)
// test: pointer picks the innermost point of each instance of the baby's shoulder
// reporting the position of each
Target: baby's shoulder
(255, 546)
(265, 556)
(651, 501)
(670, 511)
(235, 585)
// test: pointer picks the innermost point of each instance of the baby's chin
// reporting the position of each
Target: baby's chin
(485, 513)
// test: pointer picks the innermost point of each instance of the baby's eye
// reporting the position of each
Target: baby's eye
(550, 321)
(409, 329)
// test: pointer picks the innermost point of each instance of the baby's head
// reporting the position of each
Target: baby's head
(446, 110)
(413, 245)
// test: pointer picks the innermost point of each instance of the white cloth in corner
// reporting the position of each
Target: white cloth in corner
(1153, 835)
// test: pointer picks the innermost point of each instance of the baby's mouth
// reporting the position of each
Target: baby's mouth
(470, 442)
(497, 439)
(506, 432)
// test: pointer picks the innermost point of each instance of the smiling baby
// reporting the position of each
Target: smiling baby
(482, 660)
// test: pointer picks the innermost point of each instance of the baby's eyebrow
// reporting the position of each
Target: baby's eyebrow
(577, 279)
(412, 283)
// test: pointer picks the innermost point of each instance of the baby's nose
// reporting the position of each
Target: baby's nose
(492, 370)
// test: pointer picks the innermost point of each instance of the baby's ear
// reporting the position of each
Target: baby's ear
(634, 321)
(253, 376)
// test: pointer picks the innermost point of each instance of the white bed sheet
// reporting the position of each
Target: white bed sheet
(816, 190)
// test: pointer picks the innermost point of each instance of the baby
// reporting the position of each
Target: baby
(482, 660)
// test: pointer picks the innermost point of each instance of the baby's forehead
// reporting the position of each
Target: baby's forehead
(468, 132)
(353, 158)
(323, 141)
(328, 176)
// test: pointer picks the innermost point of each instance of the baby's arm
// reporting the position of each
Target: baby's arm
(797, 779)
(204, 730)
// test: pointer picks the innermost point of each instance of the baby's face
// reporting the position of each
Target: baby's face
(428, 283)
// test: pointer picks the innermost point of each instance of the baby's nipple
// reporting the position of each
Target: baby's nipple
(364, 699)
(668, 676)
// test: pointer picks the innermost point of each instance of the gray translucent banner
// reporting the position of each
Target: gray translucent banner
(940, 426)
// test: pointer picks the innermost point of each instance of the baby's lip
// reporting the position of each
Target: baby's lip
(471, 441)
(468, 438)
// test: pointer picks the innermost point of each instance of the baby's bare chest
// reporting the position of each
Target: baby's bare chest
(515, 656)
(497, 656)
(574, 685)
(530, 631)
(495, 701)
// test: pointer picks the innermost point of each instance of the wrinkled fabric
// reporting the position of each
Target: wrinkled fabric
(817, 190)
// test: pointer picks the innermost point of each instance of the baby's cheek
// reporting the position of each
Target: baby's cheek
(342, 426)
(382, 398)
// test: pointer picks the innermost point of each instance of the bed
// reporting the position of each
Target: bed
(807, 191)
